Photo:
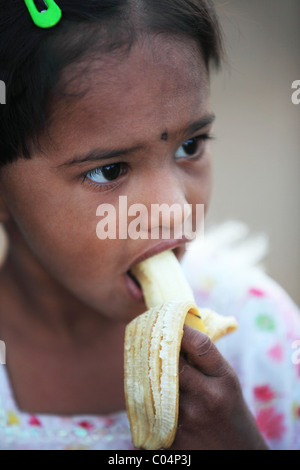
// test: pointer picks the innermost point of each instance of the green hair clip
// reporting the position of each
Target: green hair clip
(46, 18)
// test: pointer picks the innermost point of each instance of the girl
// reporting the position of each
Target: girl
(113, 100)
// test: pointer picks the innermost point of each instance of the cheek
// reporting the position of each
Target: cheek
(208, 186)
(199, 193)
(200, 184)
(59, 226)
(67, 242)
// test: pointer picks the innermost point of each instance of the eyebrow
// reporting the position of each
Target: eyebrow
(207, 120)
(101, 154)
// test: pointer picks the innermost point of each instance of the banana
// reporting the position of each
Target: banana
(152, 348)
(162, 280)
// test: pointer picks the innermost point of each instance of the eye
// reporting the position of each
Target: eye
(192, 148)
(105, 174)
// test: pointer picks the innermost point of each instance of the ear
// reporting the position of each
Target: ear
(3, 245)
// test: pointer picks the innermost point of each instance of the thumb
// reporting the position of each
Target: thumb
(202, 353)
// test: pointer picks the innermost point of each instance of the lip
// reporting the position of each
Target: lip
(132, 288)
(159, 248)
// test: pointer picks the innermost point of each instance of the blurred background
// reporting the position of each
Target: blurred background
(256, 152)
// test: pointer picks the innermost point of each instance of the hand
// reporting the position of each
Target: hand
(212, 412)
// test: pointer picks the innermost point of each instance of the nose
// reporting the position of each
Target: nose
(164, 195)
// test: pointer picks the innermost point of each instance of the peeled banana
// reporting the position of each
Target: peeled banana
(152, 348)
(162, 280)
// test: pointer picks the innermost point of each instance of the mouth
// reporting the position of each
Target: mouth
(133, 286)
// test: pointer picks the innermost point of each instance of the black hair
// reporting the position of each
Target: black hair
(32, 59)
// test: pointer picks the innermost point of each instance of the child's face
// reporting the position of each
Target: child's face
(151, 103)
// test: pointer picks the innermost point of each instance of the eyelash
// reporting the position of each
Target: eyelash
(203, 138)
(124, 167)
(104, 186)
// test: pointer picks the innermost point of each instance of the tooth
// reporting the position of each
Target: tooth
(152, 348)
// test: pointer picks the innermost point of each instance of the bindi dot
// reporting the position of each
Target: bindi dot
(164, 136)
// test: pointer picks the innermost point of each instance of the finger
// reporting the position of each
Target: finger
(190, 378)
(200, 351)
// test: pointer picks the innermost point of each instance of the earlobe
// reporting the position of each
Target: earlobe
(3, 245)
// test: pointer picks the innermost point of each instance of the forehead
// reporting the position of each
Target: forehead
(161, 84)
